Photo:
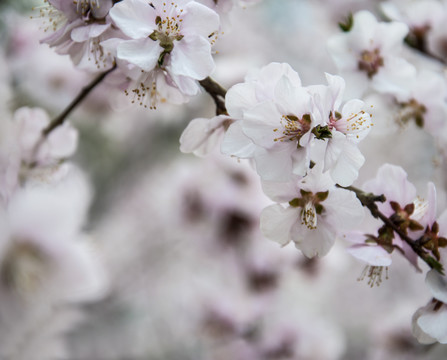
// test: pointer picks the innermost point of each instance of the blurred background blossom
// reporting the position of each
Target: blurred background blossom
(165, 259)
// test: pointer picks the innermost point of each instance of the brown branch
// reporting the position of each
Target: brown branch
(217, 92)
(81, 96)
(369, 200)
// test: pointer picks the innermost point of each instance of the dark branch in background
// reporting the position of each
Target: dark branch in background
(59, 120)
(417, 40)
(84, 92)
(217, 92)
(369, 200)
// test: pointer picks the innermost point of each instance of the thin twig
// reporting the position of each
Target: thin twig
(84, 92)
(369, 201)
(217, 92)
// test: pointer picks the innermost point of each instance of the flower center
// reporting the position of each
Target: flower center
(412, 110)
(23, 267)
(144, 90)
(374, 274)
(293, 127)
(52, 18)
(309, 216)
(310, 205)
(83, 6)
(370, 62)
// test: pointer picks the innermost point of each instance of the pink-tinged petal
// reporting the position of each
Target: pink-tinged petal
(343, 209)
(277, 222)
(395, 77)
(191, 57)
(333, 150)
(373, 255)
(135, 18)
(431, 209)
(362, 34)
(345, 170)
(316, 242)
(200, 20)
(281, 192)
(142, 52)
(111, 45)
(300, 161)
(337, 46)
(199, 131)
(409, 253)
(271, 74)
(336, 89)
(316, 180)
(435, 325)
(437, 285)
(259, 125)
(417, 331)
(357, 237)
(84, 33)
(62, 142)
(185, 84)
(442, 222)
(103, 8)
(275, 164)
(236, 143)
(391, 35)
(30, 123)
(355, 122)
(291, 99)
(240, 97)
(175, 89)
(66, 7)
(391, 181)
(194, 135)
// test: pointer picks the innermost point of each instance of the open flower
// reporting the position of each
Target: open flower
(342, 127)
(274, 123)
(78, 28)
(317, 212)
(175, 37)
(368, 55)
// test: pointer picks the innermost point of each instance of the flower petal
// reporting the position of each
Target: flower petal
(142, 52)
(191, 57)
(135, 18)
(276, 223)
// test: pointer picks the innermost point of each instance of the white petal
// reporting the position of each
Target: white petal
(373, 255)
(316, 242)
(63, 141)
(346, 168)
(142, 52)
(236, 143)
(135, 18)
(239, 98)
(198, 133)
(392, 181)
(422, 336)
(200, 20)
(291, 99)
(437, 285)
(281, 192)
(84, 33)
(260, 122)
(275, 164)
(191, 57)
(435, 325)
(343, 210)
(276, 223)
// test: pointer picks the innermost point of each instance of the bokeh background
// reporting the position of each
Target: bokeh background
(189, 274)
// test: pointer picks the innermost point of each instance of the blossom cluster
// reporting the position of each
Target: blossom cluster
(323, 161)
